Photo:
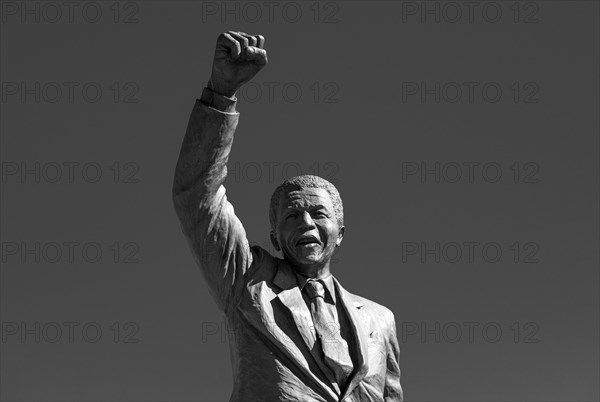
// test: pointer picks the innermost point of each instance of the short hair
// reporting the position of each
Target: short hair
(302, 182)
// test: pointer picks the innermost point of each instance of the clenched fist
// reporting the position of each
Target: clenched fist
(238, 58)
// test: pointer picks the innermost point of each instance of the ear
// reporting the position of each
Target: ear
(275, 242)
(340, 236)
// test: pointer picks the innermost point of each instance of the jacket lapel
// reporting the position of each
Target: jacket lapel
(292, 299)
(265, 311)
(352, 306)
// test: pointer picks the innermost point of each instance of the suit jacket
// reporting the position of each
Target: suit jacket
(272, 337)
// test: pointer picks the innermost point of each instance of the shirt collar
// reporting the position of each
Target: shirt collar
(328, 281)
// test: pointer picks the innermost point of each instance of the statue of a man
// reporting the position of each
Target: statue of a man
(298, 334)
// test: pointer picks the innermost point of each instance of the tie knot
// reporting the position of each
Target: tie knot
(314, 288)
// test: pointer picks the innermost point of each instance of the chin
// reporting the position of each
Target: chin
(309, 259)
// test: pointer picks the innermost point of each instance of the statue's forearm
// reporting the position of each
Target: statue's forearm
(218, 101)
(201, 168)
(216, 236)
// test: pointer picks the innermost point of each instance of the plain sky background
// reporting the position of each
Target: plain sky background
(375, 96)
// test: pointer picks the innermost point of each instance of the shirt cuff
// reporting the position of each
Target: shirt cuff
(219, 102)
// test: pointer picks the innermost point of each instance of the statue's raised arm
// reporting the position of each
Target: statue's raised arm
(215, 235)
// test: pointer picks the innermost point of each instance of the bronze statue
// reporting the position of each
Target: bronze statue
(299, 335)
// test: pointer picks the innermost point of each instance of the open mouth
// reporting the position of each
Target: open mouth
(308, 240)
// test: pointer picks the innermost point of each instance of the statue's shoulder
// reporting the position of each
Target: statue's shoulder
(367, 304)
(374, 307)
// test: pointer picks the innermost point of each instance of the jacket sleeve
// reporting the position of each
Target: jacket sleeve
(215, 235)
(393, 389)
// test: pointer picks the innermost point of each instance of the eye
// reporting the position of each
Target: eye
(291, 215)
(319, 214)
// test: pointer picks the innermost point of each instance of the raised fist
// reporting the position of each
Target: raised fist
(238, 58)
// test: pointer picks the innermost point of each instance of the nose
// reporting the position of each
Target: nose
(306, 221)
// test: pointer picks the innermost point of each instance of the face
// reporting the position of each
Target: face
(307, 230)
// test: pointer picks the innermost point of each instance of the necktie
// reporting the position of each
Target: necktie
(327, 327)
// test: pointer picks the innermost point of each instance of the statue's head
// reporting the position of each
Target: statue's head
(307, 221)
